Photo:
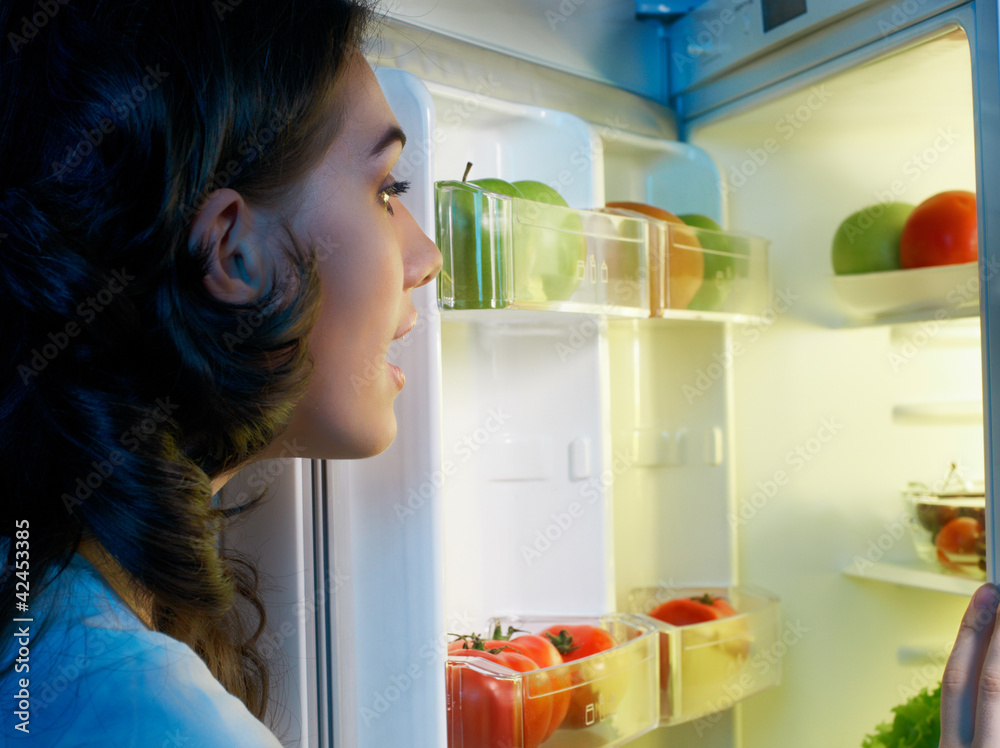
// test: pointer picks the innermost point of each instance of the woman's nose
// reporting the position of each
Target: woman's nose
(422, 258)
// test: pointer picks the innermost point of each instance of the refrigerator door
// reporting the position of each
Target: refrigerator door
(546, 414)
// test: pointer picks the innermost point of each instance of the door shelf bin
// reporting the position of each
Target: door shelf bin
(504, 252)
(608, 698)
(507, 252)
(706, 667)
(703, 270)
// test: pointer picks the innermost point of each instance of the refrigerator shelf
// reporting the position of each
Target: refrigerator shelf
(914, 294)
(608, 698)
(913, 574)
(504, 252)
(706, 667)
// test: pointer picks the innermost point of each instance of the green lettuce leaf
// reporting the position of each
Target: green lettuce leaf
(917, 724)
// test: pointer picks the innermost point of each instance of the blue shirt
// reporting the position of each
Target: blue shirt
(99, 677)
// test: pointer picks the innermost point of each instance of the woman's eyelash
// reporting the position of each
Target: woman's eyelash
(396, 188)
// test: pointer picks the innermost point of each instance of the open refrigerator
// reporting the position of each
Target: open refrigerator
(574, 453)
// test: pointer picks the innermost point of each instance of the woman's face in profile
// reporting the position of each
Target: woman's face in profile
(372, 255)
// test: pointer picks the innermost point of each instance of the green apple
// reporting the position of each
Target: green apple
(554, 242)
(720, 270)
(485, 265)
(868, 241)
(475, 273)
(492, 184)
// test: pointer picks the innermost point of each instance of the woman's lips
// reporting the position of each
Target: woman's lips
(397, 373)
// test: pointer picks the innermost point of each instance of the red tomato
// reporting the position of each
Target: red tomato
(482, 710)
(465, 642)
(687, 610)
(574, 642)
(960, 542)
(600, 680)
(940, 231)
(544, 653)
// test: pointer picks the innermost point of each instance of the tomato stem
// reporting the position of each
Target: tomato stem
(498, 634)
(469, 641)
(563, 642)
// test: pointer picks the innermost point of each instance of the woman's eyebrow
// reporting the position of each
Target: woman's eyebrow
(393, 134)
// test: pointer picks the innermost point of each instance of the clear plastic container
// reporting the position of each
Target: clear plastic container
(959, 513)
(706, 271)
(608, 698)
(706, 667)
(507, 252)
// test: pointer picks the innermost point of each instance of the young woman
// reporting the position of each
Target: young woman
(202, 255)
(167, 171)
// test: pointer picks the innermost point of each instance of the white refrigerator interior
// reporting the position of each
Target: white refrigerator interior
(549, 462)
(833, 416)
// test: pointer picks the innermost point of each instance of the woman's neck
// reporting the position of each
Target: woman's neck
(117, 577)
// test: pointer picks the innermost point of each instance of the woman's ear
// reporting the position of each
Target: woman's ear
(239, 268)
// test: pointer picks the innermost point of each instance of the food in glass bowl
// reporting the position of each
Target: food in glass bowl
(949, 527)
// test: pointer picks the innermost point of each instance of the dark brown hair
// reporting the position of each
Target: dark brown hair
(125, 387)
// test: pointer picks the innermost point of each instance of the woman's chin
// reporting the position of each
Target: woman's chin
(356, 445)
(317, 433)
(379, 444)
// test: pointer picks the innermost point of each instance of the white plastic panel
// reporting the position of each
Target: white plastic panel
(526, 504)
(677, 177)
(515, 142)
(671, 507)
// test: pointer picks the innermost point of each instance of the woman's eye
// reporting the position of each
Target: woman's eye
(396, 188)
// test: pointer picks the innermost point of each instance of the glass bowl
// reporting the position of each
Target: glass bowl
(949, 527)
